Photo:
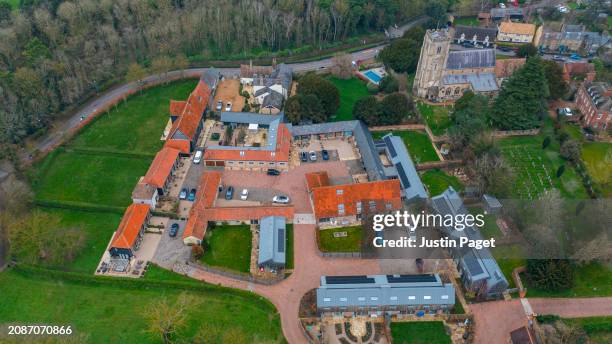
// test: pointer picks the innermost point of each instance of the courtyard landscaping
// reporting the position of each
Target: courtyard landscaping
(437, 181)
(597, 156)
(351, 90)
(417, 142)
(346, 239)
(437, 117)
(228, 247)
(419, 332)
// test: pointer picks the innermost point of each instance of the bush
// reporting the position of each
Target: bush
(560, 171)
(547, 318)
(546, 142)
(389, 84)
(372, 88)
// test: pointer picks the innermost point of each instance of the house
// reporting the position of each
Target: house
(571, 39)
(482, 36)
(594, 100)
(384, 294)
(187, 116)
(270, 85)
(478, 269)
(491, 204)
(345, 204)
(145, 193)
(508, 13)
(523, 335)
(504, 68)
(162, 169)
(582, 70)
(515, 32)
(272, 242)
(128, 236)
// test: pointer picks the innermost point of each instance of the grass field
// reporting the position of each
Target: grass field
(109, 314)
(597, 157)
(509, 257)
(229, 247)
(136, 125)
(417, 142)
(469, 21)
(437, 117)
(594, 279)
(101, 179)
(598, 329)
(437, 181)
(419, 332)
(349, 243)
(351, 90)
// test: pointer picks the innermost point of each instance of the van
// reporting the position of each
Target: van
(197, 158)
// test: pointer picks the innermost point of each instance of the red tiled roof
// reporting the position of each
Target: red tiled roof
(281, 153)
(205, 198)
(161, 167)
(248, 213)
(505, 67)
(316, 179)
(578, 68)
(177, 107)
(327, 198)
(182, 145)
(193, 109)
(131, 223)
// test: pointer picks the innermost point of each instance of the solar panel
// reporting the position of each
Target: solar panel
(472, 264)
(349, 279)
(402, 175)
(390, 146)
(411, 278)
(281, 240)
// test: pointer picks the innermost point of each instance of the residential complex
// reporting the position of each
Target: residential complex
(594, 100)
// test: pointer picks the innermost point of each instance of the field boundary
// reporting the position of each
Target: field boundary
(80, 206)
(109, 152)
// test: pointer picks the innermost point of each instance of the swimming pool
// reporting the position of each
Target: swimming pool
(375, 78)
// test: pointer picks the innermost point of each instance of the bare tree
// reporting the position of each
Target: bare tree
(166, 318)
(342, 65)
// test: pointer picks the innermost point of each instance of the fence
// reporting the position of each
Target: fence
(237, 275)
(438, 164)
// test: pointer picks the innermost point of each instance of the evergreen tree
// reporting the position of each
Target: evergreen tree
(326, 92)
(554, 76)
(550, 274)
(368, 110)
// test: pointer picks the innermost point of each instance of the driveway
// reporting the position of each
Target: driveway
(171, 250)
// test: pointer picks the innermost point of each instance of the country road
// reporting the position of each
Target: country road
(109, 97)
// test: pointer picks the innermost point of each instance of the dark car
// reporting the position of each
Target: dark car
(229, 194)
(191, 196)
(273, 172)
(183, 194)
(325, 154)
(173, 230)
(303, 156)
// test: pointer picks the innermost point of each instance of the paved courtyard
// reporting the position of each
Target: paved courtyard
(171, 250)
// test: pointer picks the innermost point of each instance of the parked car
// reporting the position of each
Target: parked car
(303, 156)
(229, 193)
(228, 106)
(244, 194)
(564, 112)
(325, 154)
(280, 199)
(313, 156)
(173, 230)
(575, 57)
(197, 158)
(219, 105)
(183, 193)
(191, 196)
(558, 58)
(273, 172)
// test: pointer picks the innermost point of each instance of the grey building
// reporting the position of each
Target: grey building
(512, 13)
(491, 204)
(272, 242)
(479, 270)
(476, 35)
(468, 59)
(390, 294)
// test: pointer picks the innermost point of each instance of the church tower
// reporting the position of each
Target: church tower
(432, 62)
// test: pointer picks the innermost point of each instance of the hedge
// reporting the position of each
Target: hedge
(111, 152)
(82, 206)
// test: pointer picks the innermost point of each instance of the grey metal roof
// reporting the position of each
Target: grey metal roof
(473, 58)
(467, 33)
(491, 201)
(274, 99)
(248, 118)
(404, 169)
(380, 290)
(497, 12)
(272, 133)
(480, 82)
(272, 241)
(211, 77)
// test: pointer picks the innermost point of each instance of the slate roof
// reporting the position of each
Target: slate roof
(403, 167)
(467, 33)
(383, 290)
(497, 13)
(272, 241)
(473, 58)
(249, 118)
(274, 99)
(480, 82)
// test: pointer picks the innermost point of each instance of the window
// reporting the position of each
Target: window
(439, 50)
(358, 207)
(372, 205)
(339, 192)
(361, 298)
(393, 298)
(389, 206)
(427, 297)
(261, 163)
(341, 209)
(444, 297)
(326, 299)
(251, 163)
(374, 298)
(411, 297)
(241, 153)
(343, 299)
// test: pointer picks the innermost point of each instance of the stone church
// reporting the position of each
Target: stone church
(443, 74)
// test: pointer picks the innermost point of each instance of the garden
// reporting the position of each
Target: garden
(437, 117)
(351, 90)
(597, 156)
(417, 142)
(346, 239)
(419, 332)
(437, 181)
(228, 247)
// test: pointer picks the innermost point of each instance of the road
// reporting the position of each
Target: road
(111, 96)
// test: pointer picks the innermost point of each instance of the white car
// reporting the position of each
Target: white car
(228, 106)
(244, 194)
(197, 158)
(313, 156)
(502, 5)
(280, 199)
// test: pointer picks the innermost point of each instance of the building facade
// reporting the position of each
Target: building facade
(594, 100)
(515, 32)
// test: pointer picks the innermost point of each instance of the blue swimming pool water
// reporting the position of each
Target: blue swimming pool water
(373, 76)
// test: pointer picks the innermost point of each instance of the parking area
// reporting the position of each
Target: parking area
(171, 250)
(228, 91)
(339, 148)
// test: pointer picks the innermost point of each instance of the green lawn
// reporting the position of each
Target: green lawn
(437, 117)
(509, 257)
(594, 279)
(534, 166)
(417, 142)
(469, 21)
(598, 329)
(98, 229)
(14, 3)
(229, 247)
(490, 228)
(351, 90)
(437, 181)
(78, 177)
(350, 243)
(419, 332)
(597, 157)
(114, 314)
(136, 125)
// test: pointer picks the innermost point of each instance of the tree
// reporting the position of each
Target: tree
(546, 142)
(394, 108)
(161, 65)
(571, 150)
(401, 55)
(436, 10)
(324, 90)
(554, 76)
(165, 319)
(389, 84)
(560, 171)
(367, 109)
(550, 274)
(527, 50)
(181, 63)
(136, 73)
(5, 11)
(416, 34)
(469, 119)
(521, 100)
(342, 66)
(302, 107)
(493, 175)
(293, 109)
